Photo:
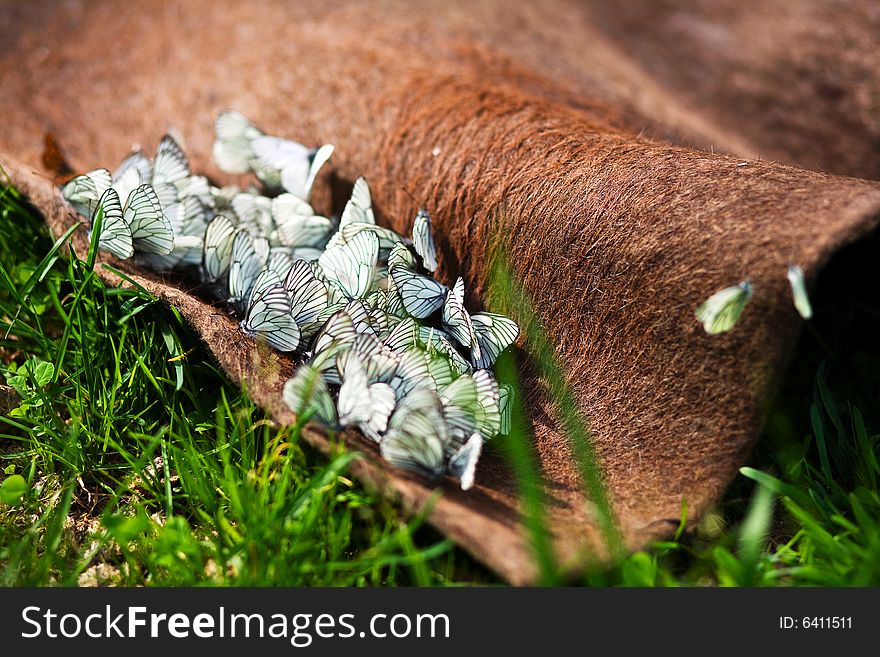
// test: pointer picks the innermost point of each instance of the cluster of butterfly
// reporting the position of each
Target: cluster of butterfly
(384, 346)
(720, 312)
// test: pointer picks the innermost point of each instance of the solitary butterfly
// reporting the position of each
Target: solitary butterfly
(799, 291)
(720, 312)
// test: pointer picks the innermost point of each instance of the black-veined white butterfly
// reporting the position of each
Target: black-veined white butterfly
(217, 255)
(351, 267)
(84, 191)
(720, 312)
(306, 393)
(288, 163)
(170, 163)
(417, 434)
(423, 239)
(457, 320)
(361, 403)
(420, 295)
(151, 230)
(296, 223)
(494, 334)
(232, 150)
(268, 315)
(337, 335)
(139, 162)
(308, 296)
(115, 235)
(359, 208)
(249, 258)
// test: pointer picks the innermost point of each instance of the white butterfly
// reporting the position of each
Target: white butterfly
(170, 163)
(268, 315)
(189, 223)
(362, 403)
(306, 394)
(457, 320)
(151, 230)
(232, 151)
(494, 334)
(84, 191)
(308, 296)
(288, 163)
(436, 341)
(296, 223)
(337, 335)
(720, 312)
(217, 254)
(379, 362)
(404, 336)
(387, 237)
(359, 208)
(416, 433)
(463, 463)
(423, 240)
(470, 404)
(129, 179)
(254, 211)
(139, 162)
(799, 291)
(249, 258)
(195, 186)
(401, 256)
(420, 295)
(351, 267)
(115, 235)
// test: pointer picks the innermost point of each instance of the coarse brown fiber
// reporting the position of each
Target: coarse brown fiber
(561, 128)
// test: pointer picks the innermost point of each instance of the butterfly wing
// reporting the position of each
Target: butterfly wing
(306, 394)
(799, 292)
(494, 333)
(232, 150)
(217, 254)
(246, 264)
(115, 236)
(423, 240)
(268, 315)
(359, 207)
(170, 163)
(151, 230)
(457, 320)
(420, 295)
(84, 192)
(416, 433)
(352, 266)
(720, 312)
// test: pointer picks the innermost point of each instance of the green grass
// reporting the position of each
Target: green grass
(128, 458)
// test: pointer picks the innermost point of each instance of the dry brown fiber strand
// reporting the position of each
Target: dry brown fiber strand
(587, 134)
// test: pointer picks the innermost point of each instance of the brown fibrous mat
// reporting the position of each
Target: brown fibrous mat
(634, 159)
